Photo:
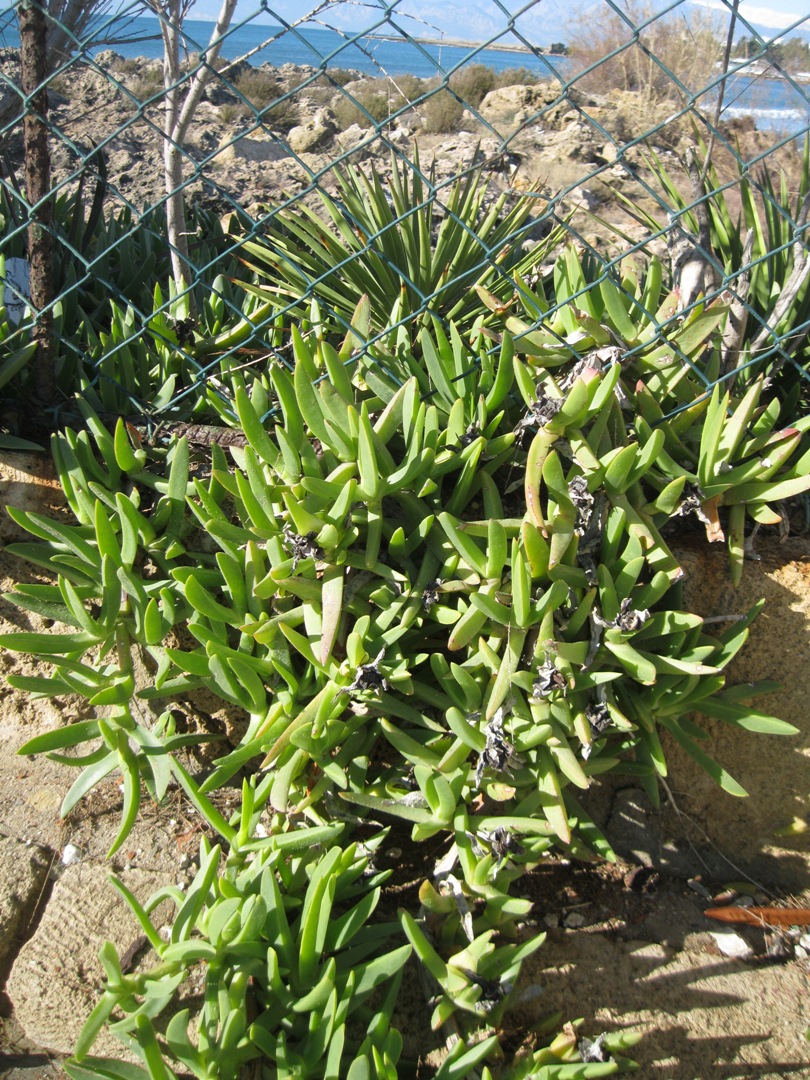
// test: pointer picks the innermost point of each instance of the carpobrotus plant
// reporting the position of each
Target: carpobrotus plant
(440, 592)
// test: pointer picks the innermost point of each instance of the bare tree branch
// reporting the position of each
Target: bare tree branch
(799, 274)
(178, 115)
(734, 332)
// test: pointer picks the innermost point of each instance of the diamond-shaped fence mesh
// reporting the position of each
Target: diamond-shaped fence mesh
(181, 184)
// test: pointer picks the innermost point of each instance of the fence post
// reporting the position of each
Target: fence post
(33, 73)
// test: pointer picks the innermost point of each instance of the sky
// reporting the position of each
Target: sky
(478, 20)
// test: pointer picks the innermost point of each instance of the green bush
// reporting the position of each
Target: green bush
(261, 90)
(441, 113)
(472, 83)
(147, 83)
(440, 593)
(366, 108)
(519, 76)
(409, 87)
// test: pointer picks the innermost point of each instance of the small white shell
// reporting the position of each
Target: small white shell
(71, 855)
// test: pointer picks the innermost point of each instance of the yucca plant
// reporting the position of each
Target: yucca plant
(124, 339)
(17, 344)
(414, 247)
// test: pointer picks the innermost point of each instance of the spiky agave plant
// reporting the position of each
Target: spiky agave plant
(760, 263)
(415, 247)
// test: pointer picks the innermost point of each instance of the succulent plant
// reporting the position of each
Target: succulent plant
(434, 577)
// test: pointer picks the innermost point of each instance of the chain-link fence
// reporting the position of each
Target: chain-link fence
(176, 191)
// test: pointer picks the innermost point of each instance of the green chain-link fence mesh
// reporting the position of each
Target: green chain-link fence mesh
(579, 119)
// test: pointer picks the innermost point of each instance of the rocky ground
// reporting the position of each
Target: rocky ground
(251, 147)
(628, 945)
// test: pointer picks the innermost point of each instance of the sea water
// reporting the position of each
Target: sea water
(776, 104)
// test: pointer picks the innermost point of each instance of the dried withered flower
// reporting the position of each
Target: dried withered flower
(538, 414)
(368, 677)
(593, 1050)
(598, 716)
(583, 501)
(492, 991)
(301, 547)
(549, 678)
(692, 503)
(628, 620)
(503, 844)
(184, 328)
(469, 436)
(431, 595)
(498, 753)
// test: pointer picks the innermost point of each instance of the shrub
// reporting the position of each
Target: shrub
(366, 108)
(442, 113)
(472, 83)
(409, 87)
(262, 91)
(335, 77)
(668, 48)
(259, 87)
(412, 638)
(147, 83)
(520, 76)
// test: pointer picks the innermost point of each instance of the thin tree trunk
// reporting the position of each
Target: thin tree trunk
(34, 72)
(172, 160)
(176, 123)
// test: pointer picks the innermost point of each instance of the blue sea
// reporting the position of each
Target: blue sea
(776, 104)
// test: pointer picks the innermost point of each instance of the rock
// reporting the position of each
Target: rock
(257, 147)
(71, 855)
(312, 135)
(400, 134)
(648, 950)
(576, 142)
(353, 136)
(56, 977)
(574, 920)
(298, 72)
(512, 105)
(583, 198)
(109, 59)
(23, 872)
(731, 944)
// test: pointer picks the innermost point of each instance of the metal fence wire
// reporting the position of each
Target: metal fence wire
(174, 191)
